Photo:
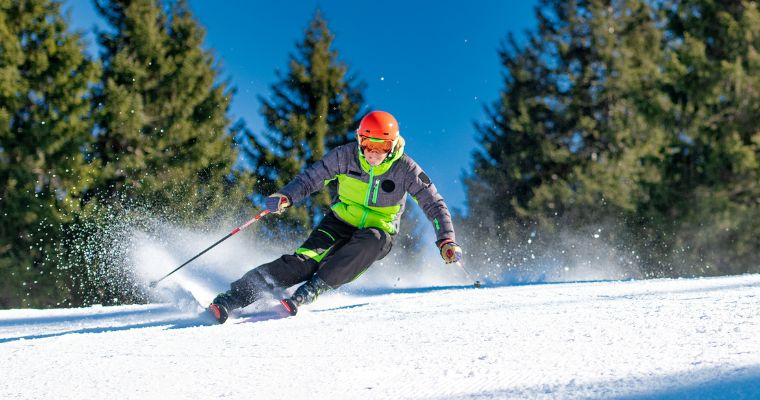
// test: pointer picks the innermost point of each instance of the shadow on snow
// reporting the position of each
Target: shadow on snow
(743, 385)
(169, 324)
(88, 316)
(202, 319)
(713, 384)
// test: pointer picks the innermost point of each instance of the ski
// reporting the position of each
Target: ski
(219, 312)
(289, 306)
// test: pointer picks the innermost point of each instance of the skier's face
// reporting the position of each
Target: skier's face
(374, 157)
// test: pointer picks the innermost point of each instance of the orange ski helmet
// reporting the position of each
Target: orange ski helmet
(378, 125)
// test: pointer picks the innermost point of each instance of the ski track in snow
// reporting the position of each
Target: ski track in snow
(649, 339)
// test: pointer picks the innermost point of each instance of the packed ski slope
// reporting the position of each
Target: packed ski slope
(661, 339)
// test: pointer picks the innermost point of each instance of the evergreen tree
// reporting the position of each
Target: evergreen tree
(163, 146)
(163, 132)
(709, 200)
(632, 112)
(314, 108)
(566, 148)
(44, 123)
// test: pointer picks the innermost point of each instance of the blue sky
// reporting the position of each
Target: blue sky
(432, 64)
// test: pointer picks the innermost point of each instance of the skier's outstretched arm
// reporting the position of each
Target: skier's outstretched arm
(315, 177)
(426, 195)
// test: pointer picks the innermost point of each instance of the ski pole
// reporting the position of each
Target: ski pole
(245, 225)
(476, 283)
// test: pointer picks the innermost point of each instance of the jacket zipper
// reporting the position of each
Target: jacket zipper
(366, 198)
(374, 194)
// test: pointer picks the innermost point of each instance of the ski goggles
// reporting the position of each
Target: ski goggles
(378, 145)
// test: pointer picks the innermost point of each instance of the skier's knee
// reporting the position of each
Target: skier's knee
(251, 285)
(383, 241)
(376, 237)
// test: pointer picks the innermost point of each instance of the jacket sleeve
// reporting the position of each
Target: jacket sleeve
(316, 176)
(423, 191)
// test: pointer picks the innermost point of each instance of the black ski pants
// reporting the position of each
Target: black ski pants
(335, 251)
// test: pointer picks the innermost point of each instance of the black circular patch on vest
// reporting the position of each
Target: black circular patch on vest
(388, 186)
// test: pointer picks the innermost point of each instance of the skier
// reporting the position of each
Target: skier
(373, 180)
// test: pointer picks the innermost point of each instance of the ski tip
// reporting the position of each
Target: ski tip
(219, 312)
(289, 306)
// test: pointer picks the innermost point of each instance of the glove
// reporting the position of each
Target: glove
(277, 203)
(450, 251)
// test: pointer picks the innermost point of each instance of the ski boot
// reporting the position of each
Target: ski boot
(221, 306)
(305, 294)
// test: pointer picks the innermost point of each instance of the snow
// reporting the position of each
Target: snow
(646, 339)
